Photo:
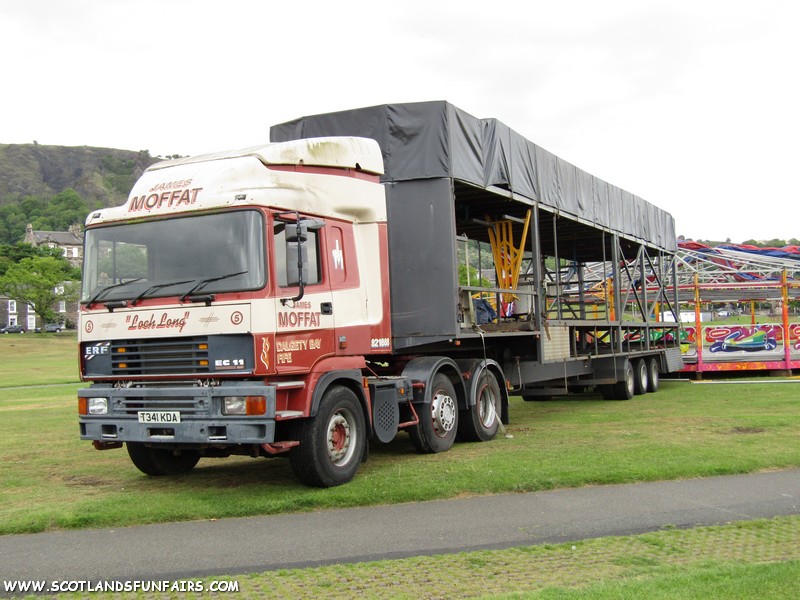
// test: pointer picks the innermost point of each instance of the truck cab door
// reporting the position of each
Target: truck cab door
(304, 328)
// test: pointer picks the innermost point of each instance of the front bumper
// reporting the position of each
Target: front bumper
(201, 420)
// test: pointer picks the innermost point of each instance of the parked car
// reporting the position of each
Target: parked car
(51, 328)
(13, 329)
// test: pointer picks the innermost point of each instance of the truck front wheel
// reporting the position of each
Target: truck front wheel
(332, 442)
(161, 461)
(438, 419)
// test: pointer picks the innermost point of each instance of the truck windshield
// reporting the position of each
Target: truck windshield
(168, 257)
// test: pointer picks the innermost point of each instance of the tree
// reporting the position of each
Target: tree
(55, 214)
(12, 223)
(10, 254)
(40, 282)
(66, 208)
(773, 243)
(468, 275)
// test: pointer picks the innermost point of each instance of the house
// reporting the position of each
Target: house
(16, 313)
(70, 242)
(19, 313)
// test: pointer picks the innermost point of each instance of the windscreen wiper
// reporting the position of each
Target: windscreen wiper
(204, 282)
(158, 286)
(102, 292)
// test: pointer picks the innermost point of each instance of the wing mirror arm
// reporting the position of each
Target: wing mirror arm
(296, 250)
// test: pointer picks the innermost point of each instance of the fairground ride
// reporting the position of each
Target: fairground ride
(719, 286)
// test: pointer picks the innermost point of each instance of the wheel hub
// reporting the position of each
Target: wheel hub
(443, 410)
(339, 438)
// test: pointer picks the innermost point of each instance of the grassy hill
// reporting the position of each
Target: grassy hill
(101, 176)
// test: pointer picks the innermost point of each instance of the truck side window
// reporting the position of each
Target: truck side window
(314, 274)
(338, 261)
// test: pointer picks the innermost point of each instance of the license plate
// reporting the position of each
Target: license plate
(159, 416)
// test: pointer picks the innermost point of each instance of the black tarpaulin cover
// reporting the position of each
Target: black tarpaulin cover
(424, 140)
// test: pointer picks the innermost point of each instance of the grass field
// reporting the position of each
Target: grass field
(758, 559)
(38, 359)
(50, 480)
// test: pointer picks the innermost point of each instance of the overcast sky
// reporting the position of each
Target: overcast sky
(691, 104)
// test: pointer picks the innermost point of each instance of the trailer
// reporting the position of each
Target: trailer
(303, 298)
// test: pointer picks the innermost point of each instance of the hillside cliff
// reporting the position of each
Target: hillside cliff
(98, 175)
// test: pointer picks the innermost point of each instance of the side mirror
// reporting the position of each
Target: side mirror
(296, 261)
(296, 232)
(297, 252)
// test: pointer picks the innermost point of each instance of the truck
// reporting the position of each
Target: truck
(329, 289)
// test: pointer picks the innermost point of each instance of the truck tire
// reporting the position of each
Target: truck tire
(625, 389)
(479, 423)
(622, 390)
(640, 378)
(653, 370)
(438, 419)
(157, 462)
(331, 442)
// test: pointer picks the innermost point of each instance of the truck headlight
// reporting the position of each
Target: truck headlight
(234, 405)
(244, 405)
(98, 406)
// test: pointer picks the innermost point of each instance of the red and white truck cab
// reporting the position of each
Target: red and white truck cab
(227, 296)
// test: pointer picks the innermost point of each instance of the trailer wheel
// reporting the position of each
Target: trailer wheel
(332, 442)
(479, 423)
(438, 420)
(640, 378)
(160, 461)
(622, 390)
(653, 370)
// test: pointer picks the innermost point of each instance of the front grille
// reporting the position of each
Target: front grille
(186, 406)
(162, 356)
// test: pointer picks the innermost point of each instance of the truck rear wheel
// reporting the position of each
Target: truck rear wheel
(332, 442)
(161, 461)
(438, 420)
(479, 423)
